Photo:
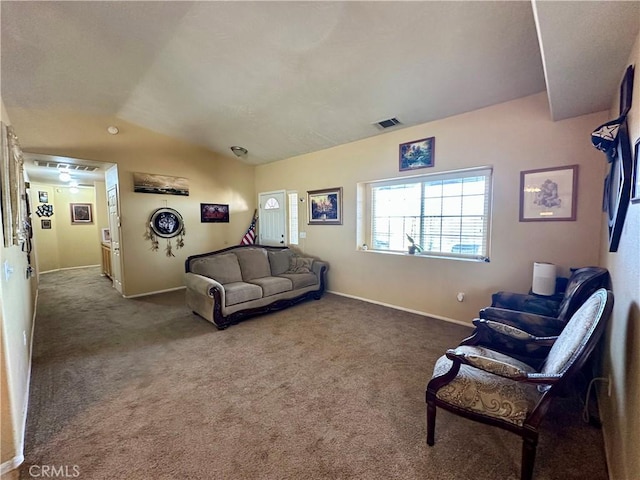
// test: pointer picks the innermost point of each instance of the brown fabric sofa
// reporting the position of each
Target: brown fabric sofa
(229, 285)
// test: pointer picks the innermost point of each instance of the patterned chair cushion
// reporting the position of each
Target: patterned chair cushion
(485, 393)
(509, 331)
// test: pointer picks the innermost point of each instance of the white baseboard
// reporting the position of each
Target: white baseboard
(12, 464)
(67, 268)
(396, 307)
(154, 293)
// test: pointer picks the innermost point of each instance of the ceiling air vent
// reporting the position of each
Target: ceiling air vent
(391, 122)
(65, 166)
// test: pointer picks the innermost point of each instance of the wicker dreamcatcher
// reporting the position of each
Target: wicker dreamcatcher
(165, 223)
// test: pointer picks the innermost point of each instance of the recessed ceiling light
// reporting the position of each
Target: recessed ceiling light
(113, 130)
(64, 176)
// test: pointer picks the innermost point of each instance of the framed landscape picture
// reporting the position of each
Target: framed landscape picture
(549, 194)
(417, 154)
(325, 206)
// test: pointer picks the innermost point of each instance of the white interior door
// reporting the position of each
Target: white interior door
(113, 205)
(272, 218)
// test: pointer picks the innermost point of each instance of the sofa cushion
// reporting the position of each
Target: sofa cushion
(301, 280)
(240, 292)
(279, 260)
(300, 265)
(223, 268)
(273, 285)
(253, 263)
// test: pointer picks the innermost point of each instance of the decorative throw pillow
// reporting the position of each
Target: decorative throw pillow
(300, 265)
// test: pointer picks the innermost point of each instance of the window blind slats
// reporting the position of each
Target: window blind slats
(447, 214)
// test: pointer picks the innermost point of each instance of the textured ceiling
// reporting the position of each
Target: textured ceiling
(287, 78)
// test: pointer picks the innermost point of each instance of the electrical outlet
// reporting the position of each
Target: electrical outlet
(460, 296)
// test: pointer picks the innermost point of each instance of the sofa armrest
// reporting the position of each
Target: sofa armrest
(202, 285)
(316, 267)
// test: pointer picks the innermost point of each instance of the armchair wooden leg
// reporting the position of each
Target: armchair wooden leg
(529, 445)
(431, 421)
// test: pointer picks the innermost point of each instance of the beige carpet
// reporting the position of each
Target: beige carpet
(329, 389)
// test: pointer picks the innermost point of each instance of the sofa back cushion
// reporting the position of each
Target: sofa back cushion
(253, 263)
(223, 267)
(279, 260)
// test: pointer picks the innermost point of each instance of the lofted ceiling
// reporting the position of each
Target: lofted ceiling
(287, 78)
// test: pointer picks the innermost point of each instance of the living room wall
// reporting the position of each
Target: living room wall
(621, 411)
(512, 137)
(212, 179)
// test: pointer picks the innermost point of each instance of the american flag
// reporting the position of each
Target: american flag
(250, 237)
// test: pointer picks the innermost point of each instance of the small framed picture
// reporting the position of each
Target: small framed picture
(325, 206)
(417, 154)
(214, 213)
(81, 213)
(548, 194)
(45, 224)
(43, 197)
(106, 235)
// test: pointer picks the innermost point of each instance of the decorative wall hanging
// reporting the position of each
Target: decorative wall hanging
(151, 183)
(417, 154)
(44, 210)
(613, 139)
(81, 213)
(165, 223)
(45, 224)
(618, 188)
(43, 197)
(548, 194)
(325, 206)
(214, 212)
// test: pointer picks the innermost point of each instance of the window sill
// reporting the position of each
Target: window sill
(424, 255)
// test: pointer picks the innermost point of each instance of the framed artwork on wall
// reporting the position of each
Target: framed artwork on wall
(164, 184)
(417, 154)
(214, 213)
(43, 197)
(81, 213)
(45, 224)
(325, 206)
(549, 194)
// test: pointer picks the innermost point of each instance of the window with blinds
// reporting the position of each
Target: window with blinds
(446, 214)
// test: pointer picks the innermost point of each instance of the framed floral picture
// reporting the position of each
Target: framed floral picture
(214, 213)
(549, 194)
(325, 206)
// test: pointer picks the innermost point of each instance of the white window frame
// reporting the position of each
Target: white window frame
(365, 205)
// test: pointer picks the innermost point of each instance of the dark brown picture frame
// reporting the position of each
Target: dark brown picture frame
(81, 213)
(549, 194)
(417, 154)
(214, 213)
(626, 91)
